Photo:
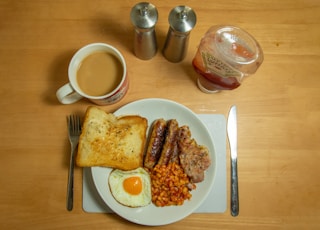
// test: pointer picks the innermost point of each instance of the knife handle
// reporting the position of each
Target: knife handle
(234, 188)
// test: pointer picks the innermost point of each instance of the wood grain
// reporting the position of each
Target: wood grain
(278, 107)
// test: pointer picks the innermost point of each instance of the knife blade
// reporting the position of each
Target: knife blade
(232, 135)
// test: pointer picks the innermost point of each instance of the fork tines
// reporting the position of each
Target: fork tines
(74, 124)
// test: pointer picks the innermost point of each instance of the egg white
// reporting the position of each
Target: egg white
(116, 179)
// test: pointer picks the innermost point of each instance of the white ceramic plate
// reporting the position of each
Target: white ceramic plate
(151, 215)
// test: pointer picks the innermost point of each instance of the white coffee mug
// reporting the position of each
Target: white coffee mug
(71, 92)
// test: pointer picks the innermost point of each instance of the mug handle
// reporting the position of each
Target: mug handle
(67, 95)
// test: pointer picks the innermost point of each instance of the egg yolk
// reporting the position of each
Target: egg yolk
(133, 185)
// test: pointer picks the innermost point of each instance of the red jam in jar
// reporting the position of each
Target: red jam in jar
(226, 55)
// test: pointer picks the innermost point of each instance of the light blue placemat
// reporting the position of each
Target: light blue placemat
(217, 199)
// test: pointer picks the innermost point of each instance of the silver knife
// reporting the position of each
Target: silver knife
(232, 134)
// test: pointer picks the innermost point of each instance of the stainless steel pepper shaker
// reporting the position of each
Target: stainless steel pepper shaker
(144, 17)
(182, 20)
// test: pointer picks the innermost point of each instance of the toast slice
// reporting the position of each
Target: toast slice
(110, 141)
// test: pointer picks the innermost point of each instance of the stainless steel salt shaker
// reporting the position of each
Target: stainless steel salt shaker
(144, 17)
(182, 20)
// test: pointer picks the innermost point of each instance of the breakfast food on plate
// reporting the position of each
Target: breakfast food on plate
(154, 147)
(110, 141)
(169, 142)
(194, 158)
(162, 169)
(181, 164)
(131, 188)
(170, 185)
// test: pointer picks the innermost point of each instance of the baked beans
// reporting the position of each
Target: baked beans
(170, 185)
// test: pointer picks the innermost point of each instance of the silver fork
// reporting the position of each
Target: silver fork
(74, 131)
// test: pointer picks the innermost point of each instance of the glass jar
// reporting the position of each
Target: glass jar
(225, 56)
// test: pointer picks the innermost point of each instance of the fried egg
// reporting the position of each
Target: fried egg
(131, 188)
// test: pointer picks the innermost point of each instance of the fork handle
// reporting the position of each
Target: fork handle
(70, 181)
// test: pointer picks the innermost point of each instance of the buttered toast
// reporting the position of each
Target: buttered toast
(110, 141)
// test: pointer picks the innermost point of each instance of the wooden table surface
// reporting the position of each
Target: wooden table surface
(278, 108)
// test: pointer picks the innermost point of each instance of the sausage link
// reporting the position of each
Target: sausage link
(155, 143)
(175, 152)
(170, 142)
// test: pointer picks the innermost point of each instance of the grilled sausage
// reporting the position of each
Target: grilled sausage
(155, 143)
(170, 142)
(175, 152)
